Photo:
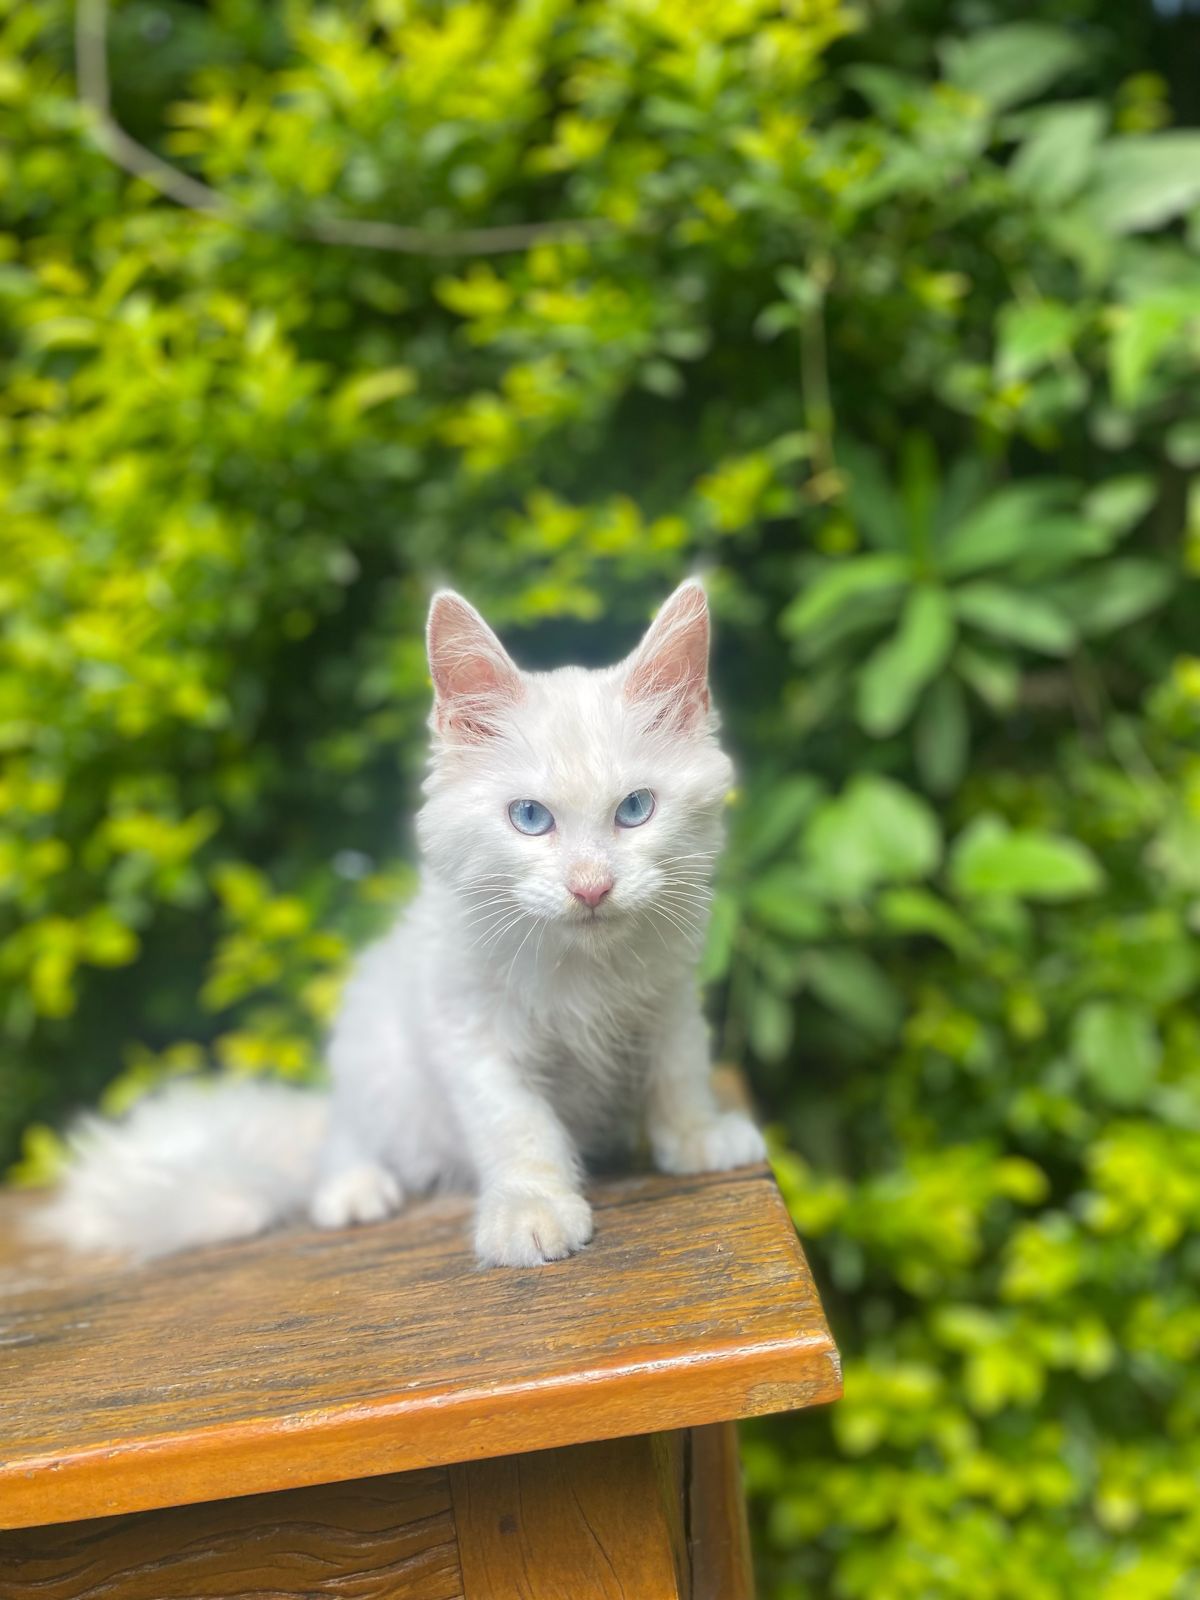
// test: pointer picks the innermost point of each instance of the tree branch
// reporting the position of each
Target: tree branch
(91, 67)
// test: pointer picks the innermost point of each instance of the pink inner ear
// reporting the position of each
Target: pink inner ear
(473, 675)
(671, 663)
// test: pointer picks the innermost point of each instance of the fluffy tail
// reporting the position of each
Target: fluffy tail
(202, 1162)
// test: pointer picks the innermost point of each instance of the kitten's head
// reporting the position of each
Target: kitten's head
(589, 800)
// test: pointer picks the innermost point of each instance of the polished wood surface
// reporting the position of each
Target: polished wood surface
(311, 1357)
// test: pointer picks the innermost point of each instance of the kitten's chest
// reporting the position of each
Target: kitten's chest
(600, 1035)
(589, 1051)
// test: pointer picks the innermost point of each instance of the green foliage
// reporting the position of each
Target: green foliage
(893, 327)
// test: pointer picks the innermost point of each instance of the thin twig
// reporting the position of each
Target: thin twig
(91, 65)
(826, 482)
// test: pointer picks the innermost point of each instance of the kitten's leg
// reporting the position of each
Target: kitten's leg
(352, 1186)
(688, 1130)
(355, 1183)
(530, 1206)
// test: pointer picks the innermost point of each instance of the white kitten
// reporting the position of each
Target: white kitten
(532, 1004)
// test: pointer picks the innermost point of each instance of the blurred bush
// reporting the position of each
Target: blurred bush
(891, 322)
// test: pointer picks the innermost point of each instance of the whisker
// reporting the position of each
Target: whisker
(513, 963)
(487, 919)
(688, 930)
(486, 942)
(484, 913)
(687, 896)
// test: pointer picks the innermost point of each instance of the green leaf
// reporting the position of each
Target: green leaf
(918, 911)
(1117, 1046)
(942, 736)
(662, 378)
(1006, 526)
(800, 287)
(779, 317)
(990, 858)
(854, 986)
(996, 679)
(1110, 596)
(886, 91)
(1032, 335)
(839, 587)
(781, 965)
(722, 931)
(1021, 618)
(1145, 180)
(918, 492)
(1063, 543)
(1143, 333)
(776, 820)
(367, 390)
(1012, 63)
(1120, 502)
(875, 832)
(892, 679)
(785, 901)
(1176, 848)
(1056, 157)
(870, 497)
(770, 1023)
(1182, 444)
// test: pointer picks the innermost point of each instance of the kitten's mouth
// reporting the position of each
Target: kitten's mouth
(597, 917)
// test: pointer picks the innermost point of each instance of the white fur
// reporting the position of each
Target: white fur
(197, 1164)
(503, 1031)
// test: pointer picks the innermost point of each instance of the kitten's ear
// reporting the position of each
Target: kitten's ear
(670, 666)
(474, 677)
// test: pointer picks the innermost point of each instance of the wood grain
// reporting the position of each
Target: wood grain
(377, 1539)
(313, 1357)
(595, 1522)
(720, 1536)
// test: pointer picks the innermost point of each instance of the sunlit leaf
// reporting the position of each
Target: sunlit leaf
(857, 989)
(989, 857)
(1020, 618)
(1009, 64)
(1056, 156)
(1117, 1046)
(893, 677)
(1141, 182)
(875, 832)
(841, 586)
(1115, 593)
(1005, 527)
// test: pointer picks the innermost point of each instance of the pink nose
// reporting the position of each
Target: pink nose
(593, 892)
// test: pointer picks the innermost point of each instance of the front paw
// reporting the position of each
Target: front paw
(525, 1227)
(365, 1193)
(728, 1139)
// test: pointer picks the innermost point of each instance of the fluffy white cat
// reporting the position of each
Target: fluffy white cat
(536, 1001)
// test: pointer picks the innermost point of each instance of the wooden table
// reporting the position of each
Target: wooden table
(369, 1414)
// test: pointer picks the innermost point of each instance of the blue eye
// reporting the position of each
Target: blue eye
(635, 809)
(530, 816)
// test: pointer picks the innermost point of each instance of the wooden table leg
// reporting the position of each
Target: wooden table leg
(595, 1522)
(720, 1536)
